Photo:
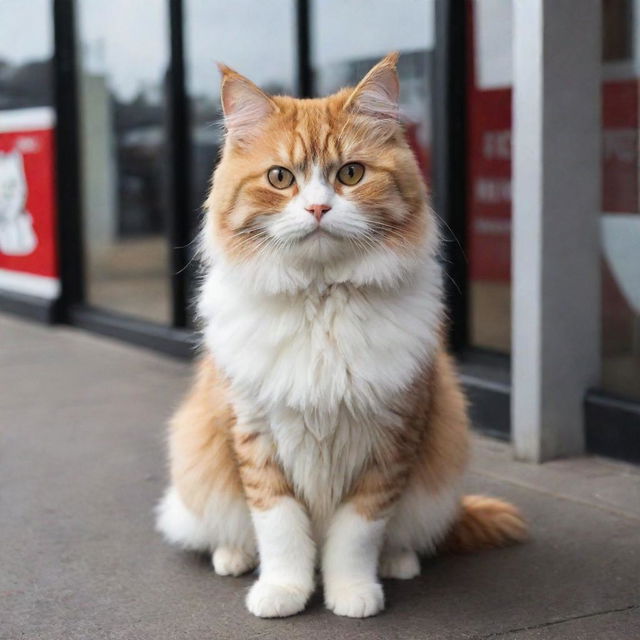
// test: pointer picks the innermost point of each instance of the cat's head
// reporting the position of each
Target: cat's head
(328, 183)
(13, 188)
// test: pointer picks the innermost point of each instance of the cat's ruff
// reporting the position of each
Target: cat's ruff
(326, 426)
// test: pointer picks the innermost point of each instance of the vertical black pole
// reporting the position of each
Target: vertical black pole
(67, 159)
(179, 167)
(303, 32)
(450, 150)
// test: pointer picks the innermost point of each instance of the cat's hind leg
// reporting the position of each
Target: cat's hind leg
(399, 563)
(432, 513)
(421, 520)
(205, 509)
(224, 529)
(430, 502)
(179, 526)
(425, 523)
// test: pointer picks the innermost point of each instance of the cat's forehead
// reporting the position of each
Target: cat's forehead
(316, 132)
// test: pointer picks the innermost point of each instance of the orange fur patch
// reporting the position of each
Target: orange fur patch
(200, 445)
(432, 449)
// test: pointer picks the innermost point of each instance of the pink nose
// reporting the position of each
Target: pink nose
(318, 210)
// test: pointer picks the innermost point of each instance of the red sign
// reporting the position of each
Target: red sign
(490, 184)
(28, 259)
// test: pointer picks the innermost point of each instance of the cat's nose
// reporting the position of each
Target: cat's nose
(318, 210)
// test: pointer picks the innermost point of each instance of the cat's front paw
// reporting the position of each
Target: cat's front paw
(355, 600)
(270, 600)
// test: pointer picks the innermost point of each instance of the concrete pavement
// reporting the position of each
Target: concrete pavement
(82, 464)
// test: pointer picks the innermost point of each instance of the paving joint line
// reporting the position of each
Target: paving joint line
(542, 625)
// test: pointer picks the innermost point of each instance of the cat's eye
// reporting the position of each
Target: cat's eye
(351, 173)
(280, 178)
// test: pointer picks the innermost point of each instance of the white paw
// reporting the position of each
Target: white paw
(356, 600)
(269, 600)
(400, 564)
(232, 561)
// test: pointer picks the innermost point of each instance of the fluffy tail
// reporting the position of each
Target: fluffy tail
(485, 523)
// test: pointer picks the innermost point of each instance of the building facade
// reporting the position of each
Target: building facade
(108, 136)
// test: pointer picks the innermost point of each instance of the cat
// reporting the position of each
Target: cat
(326, 423)
(17, 237)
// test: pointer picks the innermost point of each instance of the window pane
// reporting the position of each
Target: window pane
(489, 216)
(255, 38)
(621, 214)
(350, 36)
(25, 61)
(28, 251)
(489, 174)
(123, 64)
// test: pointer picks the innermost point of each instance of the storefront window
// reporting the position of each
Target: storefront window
(348, 38)
(28, 258)
(25, 62)
(489, 174)
(620, 198)
(255, 38)
(489, 215)
(123, 50)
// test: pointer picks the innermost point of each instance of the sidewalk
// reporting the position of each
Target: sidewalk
(82, 464)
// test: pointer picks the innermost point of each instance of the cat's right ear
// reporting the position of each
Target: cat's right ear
(244, 105)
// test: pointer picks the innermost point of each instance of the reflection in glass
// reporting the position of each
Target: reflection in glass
(489, 174)
(25, 61)
(620, 199)
(255, 38)
(123, 64)
(348, 40)
(489, 133)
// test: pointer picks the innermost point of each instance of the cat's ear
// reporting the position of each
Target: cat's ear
(245, 107)
(378, 93)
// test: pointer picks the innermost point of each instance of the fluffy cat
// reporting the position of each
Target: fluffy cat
(326, 423)
(16, 228)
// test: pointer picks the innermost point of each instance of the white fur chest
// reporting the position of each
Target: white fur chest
(323, 365)
(325, 347)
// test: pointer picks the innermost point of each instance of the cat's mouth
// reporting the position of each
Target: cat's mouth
(320, 232)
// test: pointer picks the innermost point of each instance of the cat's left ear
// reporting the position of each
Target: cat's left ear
(245, 106)
(378, 93)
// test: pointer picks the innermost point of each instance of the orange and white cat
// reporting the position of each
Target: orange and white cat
(326, 424)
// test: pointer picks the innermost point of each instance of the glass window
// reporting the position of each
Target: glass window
(489, 216)
(123, 50)
(25, 61)
(255, 38)
(620, 198)
(349, 37)
(489, 174)
(28, 248)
